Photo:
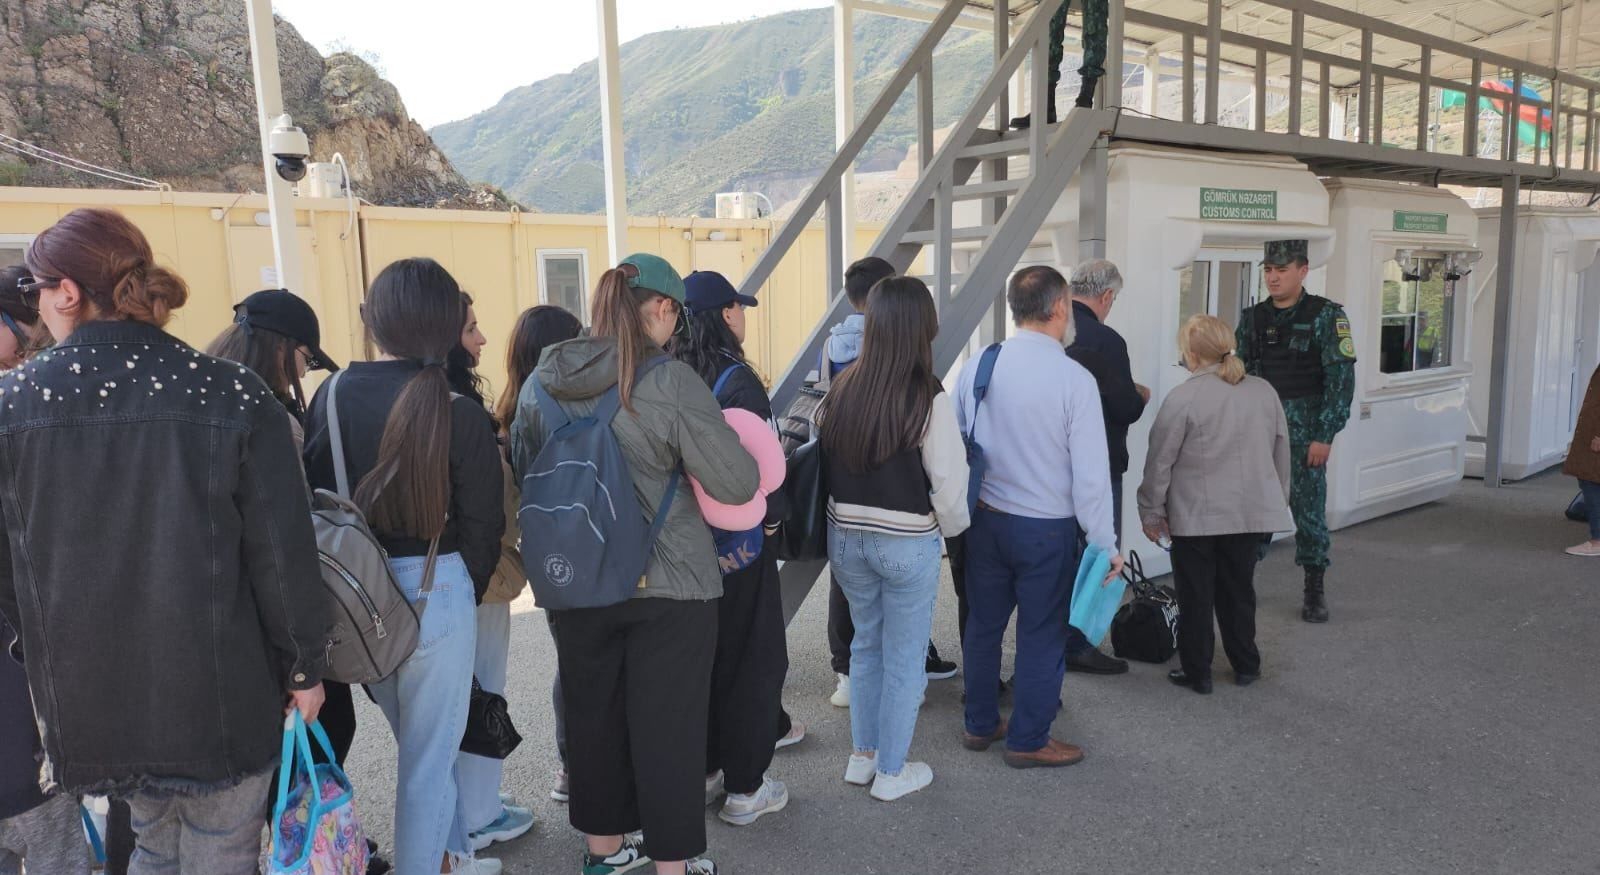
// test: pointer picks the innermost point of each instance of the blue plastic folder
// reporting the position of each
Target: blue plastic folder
(1093, 605)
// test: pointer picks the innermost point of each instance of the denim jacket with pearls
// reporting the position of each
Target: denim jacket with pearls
(159, 561)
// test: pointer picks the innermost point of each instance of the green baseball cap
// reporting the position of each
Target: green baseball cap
(656, 275)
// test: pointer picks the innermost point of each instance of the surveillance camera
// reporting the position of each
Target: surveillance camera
(290, 148)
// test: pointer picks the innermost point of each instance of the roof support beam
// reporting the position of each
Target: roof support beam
(1505, 275)
(616, 173)
(844, 124)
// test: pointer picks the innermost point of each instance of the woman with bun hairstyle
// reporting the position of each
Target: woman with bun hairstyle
(636, 676)
(161, 675)
(1216, 481)
(425, 469)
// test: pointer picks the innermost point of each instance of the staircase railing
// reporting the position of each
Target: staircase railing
(927, 207)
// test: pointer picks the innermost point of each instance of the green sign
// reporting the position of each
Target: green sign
(1239, 204)
(1421, 223)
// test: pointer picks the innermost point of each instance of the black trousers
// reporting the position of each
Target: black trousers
(1216, 574)
(636, 686)
(747, 675)
(841, 629)
(956, 549)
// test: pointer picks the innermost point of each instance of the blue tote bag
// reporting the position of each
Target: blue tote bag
(1095, 602)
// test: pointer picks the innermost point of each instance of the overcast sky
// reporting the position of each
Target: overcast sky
(457, 58)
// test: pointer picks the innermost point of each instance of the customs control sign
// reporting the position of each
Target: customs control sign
(1239, 204)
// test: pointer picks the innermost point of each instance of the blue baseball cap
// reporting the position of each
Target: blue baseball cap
(707, 290)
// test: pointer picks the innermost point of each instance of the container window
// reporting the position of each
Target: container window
(563, 281)
(1416, 327)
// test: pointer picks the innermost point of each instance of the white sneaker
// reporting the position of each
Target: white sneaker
(561, 791)
(841, 693)
(915, 776)
(742, 809)
(1587, 548)
(797, 734)
(860, 769)
(713, 787)
(474, 866)
(700, 866)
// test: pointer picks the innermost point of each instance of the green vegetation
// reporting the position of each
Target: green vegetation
(707, 110)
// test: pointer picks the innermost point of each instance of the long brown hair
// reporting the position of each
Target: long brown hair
(110, 259)
(879, 406)
(616, 315)
(270, 355)
(413, 311)
(537, 329)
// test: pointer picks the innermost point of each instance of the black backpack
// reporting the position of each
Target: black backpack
(1146, 628)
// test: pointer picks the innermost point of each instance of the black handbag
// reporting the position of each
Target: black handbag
(1146, 628)
(804, 535)
(1578, 510)
(489, 730)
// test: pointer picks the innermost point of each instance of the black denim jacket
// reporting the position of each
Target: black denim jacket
(159, 561)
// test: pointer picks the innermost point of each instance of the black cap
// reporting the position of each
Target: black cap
(707, 290)
(283, 312)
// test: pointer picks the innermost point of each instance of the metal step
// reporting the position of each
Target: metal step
(989, 144)
(980, 190)
(957, 235)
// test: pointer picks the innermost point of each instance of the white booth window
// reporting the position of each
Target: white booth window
(1418, 318)
(563, 280)
(1222, 285)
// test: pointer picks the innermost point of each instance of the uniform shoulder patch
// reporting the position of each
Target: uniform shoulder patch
(1341, 328)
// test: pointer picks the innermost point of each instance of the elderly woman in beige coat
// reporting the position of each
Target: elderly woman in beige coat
(1216, 481)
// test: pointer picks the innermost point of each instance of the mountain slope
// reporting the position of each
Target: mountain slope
(164, 90)
(706, 110)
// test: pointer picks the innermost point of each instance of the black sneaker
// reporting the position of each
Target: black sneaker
(627, 858)
(1092, 661)
(938, 669)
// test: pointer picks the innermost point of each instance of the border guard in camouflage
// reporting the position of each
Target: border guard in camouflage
(1301, 344)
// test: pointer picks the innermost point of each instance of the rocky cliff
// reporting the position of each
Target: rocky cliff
(162, 89)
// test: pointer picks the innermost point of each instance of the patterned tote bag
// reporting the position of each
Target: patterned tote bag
(315, 828)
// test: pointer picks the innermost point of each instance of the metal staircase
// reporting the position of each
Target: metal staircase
(1017, 176)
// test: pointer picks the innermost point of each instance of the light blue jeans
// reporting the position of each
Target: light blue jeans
(478, 778)
(425, 702)
(890, 582)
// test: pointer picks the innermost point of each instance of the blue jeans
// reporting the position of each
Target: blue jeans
(479, 777)
(1028, 566)
(425, 702)
(891, 582)
(1591, 500)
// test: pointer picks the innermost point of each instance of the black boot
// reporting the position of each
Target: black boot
(1086, 93)
(1023, 122)
(1315, 610)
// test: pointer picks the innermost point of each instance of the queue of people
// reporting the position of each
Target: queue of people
(667, 698)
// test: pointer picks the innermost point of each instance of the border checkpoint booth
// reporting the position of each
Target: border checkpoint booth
(1403, 271)
(1187, 227)
(1554, 337)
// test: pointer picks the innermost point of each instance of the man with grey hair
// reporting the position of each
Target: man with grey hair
(1104, 354)
(1045, 477)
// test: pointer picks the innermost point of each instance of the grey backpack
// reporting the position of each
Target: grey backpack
(375, 627)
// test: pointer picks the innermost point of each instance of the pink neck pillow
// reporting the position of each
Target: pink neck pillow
(758, 439)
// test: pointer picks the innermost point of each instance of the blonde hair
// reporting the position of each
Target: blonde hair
(1208, 341)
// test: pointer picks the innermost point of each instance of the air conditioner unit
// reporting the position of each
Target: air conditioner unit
(739, 205)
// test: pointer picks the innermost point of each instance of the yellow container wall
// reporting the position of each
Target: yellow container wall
(220, 244)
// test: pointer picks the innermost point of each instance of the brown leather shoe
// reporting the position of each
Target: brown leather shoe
(982, 742)
(1054, 754)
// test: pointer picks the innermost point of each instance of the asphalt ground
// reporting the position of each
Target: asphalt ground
(1447, 720)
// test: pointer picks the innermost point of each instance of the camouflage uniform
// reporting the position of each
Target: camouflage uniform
(1094, 42)
(1318, 328)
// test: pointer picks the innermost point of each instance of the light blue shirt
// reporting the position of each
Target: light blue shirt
(1043, 436)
